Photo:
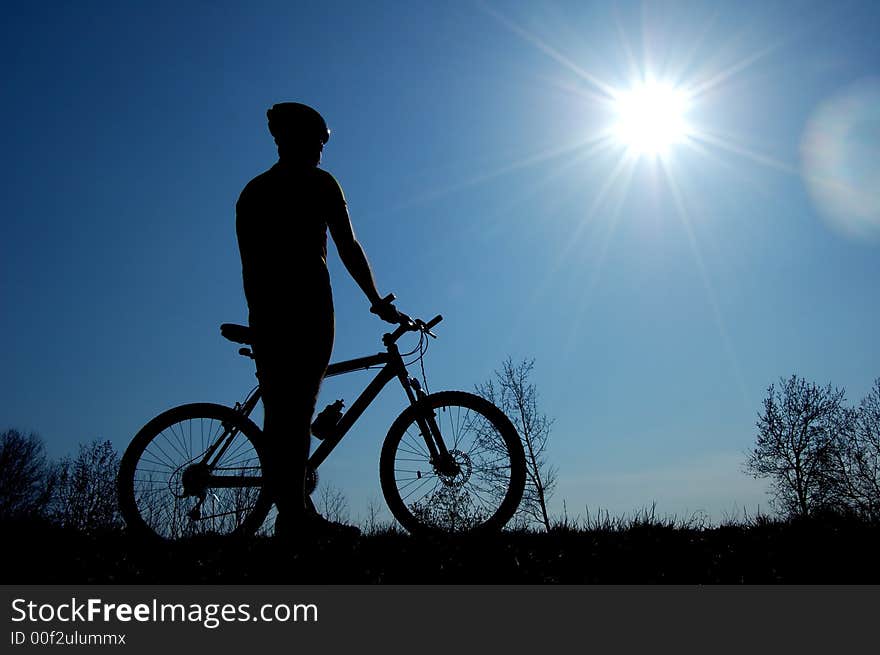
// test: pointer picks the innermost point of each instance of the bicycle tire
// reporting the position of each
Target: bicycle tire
(152, 499)
(424, 501)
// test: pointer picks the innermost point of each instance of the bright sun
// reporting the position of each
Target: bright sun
(650, 118)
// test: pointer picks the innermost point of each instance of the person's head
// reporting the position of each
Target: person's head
(299, 131)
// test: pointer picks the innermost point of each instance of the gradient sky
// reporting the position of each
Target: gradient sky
(659, 297)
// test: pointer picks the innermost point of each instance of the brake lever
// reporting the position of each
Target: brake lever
(424, 328)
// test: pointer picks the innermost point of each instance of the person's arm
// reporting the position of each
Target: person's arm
(354, 258)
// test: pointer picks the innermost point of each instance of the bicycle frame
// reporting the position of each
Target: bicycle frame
(394, 367)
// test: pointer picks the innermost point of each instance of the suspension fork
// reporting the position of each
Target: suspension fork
(426, 419)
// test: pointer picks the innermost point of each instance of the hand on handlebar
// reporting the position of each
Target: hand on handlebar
(386, 310)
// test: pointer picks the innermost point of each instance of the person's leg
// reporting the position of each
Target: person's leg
(286, 429)
(315, 367)
(291, 370)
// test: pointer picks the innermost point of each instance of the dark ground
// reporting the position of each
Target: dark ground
(827, 551)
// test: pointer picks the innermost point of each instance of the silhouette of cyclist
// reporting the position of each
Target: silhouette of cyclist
(282, 218)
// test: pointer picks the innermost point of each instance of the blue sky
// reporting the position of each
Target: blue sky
(658, 296)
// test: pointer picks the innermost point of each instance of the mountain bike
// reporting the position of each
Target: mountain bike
(451, 462)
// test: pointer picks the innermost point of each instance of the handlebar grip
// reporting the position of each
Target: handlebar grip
(433, 321)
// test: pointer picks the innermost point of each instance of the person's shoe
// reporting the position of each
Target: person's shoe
(318, 526)
(313, 526)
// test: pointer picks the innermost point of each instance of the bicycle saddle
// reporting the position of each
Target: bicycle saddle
(236, 333)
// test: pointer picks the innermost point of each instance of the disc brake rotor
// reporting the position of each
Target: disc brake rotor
(465, 469)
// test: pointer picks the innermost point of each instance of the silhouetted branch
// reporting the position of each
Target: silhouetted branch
(27, 479)
(517, 397)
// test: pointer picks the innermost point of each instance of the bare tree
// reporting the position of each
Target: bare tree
(857, 461)
(799, 431)
(26, 477)
(516, 396)
(374, 523)
(332, 504)
(86, 494)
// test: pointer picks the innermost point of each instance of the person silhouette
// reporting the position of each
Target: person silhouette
(282, 219)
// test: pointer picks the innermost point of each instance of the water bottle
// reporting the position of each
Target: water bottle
(326, 420)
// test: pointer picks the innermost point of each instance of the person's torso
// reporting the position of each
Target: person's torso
(282, 228)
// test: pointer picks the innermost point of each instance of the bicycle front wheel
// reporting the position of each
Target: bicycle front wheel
(481, 489)
(194, 470)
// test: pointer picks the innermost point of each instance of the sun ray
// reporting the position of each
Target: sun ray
(587, 95)
(523, 194)
(539, 157)
(717, 79)
(765, 160)
(688, 58)
(720, 325)
(632, 62)
(598, 201)
(596, 273)
(552, 271)
(757, 157)
(729, 166)
(750, 60)
(547, 49)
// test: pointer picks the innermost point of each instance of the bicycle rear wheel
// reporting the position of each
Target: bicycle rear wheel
(485, 487)
(194, 470)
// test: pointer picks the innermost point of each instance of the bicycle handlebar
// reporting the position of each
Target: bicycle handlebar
(408, 324)
(433, 322)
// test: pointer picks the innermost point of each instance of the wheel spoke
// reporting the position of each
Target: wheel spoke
(165, 464)
(477, 491)
(424, 481)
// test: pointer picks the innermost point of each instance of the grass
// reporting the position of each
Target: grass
(599, 549)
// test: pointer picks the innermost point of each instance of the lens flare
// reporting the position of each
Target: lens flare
(841, 160)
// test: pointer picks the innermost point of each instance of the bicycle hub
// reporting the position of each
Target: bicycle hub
(195, 480)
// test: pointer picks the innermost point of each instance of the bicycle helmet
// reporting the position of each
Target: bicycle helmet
(294, 120)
